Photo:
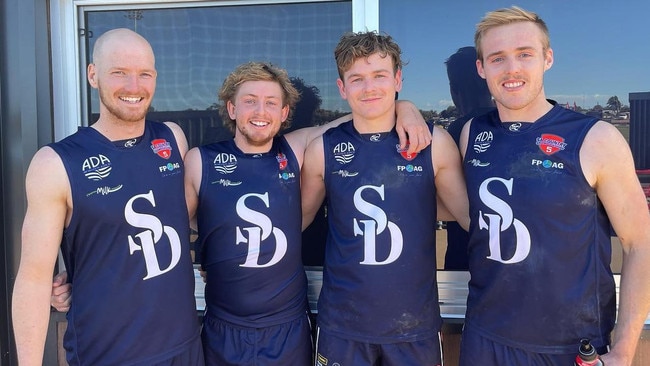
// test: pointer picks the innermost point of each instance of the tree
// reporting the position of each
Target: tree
(614, 104)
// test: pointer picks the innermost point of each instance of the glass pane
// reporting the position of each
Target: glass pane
(600, 49)
(197, 47)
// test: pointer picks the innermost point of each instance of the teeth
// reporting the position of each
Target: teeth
(259, 123)
(131, 99)
(513, 85)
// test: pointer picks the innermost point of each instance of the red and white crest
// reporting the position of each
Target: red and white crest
(162, 148)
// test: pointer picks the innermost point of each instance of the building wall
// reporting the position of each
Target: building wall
(25, 125)
(640, 129)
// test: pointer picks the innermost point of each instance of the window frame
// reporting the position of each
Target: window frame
(67, 24)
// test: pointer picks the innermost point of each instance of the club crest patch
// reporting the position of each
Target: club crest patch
(162, 148)
(282, 160)
(404, 152)
(550, 143)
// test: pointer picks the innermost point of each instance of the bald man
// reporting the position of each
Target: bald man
(108, 197)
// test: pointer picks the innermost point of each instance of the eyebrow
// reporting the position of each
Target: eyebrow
(518, 49)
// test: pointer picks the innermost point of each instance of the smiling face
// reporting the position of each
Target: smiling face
(124, 73)
(369, 86)
(258, 111)
(513, 64)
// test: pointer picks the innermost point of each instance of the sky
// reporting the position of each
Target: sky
(601, 47)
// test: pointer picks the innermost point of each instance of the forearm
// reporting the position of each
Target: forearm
(30, 315)
(634, 303)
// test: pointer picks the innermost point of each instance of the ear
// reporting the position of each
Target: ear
(398, 80)
(231, 110)
(479, 68)
(285, 112)
(92, 75)
(548, 59)
(341, 86)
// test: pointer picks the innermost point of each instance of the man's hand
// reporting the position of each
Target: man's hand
(411, 127)
(61, 292)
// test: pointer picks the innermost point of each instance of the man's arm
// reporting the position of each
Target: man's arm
(609, 167)
(193, 174)
(48, 200)
(411, 127)
(312, 185)
(409, 122)
(181, 140)
(449, 179)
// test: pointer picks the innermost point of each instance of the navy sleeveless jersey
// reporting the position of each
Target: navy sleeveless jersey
(249, 223)
(540, 246)
(379, 282)
(127, 250)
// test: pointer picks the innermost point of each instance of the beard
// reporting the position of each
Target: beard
(124, 114)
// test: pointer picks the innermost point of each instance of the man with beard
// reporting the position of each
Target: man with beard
(103, 197)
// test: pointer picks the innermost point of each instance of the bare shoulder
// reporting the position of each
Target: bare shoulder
(46, 163)
(47, 166)
(603, 151)
(193, 157)
(181, 140)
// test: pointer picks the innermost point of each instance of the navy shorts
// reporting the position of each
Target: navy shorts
(335, 351)
(191, 356)
(285, 344)
(475, 349)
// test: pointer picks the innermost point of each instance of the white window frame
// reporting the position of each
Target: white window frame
(67, 81)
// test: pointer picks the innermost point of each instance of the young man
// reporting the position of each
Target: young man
(245, 193)
(379, 301)
(544, 185)
(101, 196)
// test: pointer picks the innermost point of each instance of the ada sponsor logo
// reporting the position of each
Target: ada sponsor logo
(548, 164)
(550, 143)
(344, 152)
(96, 167)
(225, 163)
(483, 141)
(162, 148)
(404, 152)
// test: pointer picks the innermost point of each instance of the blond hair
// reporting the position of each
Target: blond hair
(256, 71)
(507, 16)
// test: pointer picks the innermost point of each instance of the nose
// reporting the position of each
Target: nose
(132, 82)
(511, 65)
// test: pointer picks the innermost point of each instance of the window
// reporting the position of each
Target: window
(196, 47)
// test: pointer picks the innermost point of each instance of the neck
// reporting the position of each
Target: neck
(115, 130)
(247, 148)
(373, 125)
(529, 113)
